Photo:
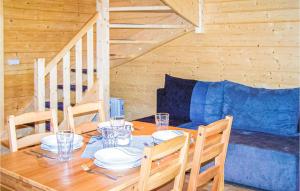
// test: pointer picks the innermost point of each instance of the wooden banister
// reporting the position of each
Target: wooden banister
(71, 43)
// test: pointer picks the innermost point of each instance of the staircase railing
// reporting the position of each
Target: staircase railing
(50, 71)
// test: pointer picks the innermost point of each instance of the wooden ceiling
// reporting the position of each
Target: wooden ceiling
(122, 53)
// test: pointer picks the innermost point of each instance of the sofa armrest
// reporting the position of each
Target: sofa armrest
(160, 100)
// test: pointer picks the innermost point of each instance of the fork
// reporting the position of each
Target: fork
(40, 155)
(128, 152)
(86, 168)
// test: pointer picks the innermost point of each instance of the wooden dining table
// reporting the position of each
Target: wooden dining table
(21, 171)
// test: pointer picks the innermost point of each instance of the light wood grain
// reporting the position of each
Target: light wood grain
(82, 109)
(39, 90)
(66, 81)
(26, 118)
(103, 60)
(1, 70)
(53, 88)
(214, 152)
(78, 65)
(149, 180)
(90, 58)
(187, 9)
(42, 29)
(16, 173)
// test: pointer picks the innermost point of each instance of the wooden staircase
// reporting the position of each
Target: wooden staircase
(80, 71)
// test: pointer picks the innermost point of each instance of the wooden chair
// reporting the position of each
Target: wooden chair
(26, 118)
(84, 109)
(150, 180)
(211, 145)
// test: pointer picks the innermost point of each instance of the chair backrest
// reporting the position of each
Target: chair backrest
(211, 145)
(26, 118)
(84, 109)
(150, 179)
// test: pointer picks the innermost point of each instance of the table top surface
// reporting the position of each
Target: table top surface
(49, 174)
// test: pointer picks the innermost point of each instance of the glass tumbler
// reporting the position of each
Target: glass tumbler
(117, 122)
(124, 135)
(64, 144)
(109, 135)
(162, 121)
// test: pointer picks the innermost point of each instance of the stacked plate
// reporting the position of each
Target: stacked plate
(49, 143)
(118, 158)
(165, 135)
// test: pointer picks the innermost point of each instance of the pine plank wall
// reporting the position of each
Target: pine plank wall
(253, 42)
(32, 29)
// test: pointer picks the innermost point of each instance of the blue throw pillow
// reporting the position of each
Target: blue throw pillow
(178, 94)
(207, 102)
(263, 110)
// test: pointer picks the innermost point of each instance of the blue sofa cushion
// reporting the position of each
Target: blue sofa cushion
(262, 168)
(177, 100)
(207, 102)
(287, 144)
(263, 110)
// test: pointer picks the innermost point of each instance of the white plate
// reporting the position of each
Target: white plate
(55, 150)
(118, 155)
(166, 135)
(107, 124)
(117, 167)
(52, 142)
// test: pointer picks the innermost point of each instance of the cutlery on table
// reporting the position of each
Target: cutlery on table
(40, 155)
(128, 152)
(86, 168)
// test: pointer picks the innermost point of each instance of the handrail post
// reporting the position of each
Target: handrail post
(103, 56)
(39, 90)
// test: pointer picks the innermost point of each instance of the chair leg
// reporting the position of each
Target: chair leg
(215, 183)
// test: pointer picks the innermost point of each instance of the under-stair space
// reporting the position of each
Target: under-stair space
(80, 71)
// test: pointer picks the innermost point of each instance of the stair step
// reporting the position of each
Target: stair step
(72, 87)
(139, 8)
(60, 105)
(84, 70)
(146, 26)
(121, 41)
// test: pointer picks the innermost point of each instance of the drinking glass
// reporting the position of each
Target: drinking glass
(117, 122)
(109, 135)
(124, 135)
(162, 121)
(65, 140)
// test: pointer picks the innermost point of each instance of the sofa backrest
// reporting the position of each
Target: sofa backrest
(207, 102)
(263, 110)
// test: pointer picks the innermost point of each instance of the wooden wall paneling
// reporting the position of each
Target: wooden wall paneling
(2, 121)
(36, 29)
(250, 42)
(187, 9)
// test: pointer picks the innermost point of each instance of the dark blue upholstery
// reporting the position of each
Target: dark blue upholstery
(264, 142)
(262, 168)
(207, 102)
(178, 93)
(263, 110)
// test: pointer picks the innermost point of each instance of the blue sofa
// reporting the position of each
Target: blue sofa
(264, 145)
